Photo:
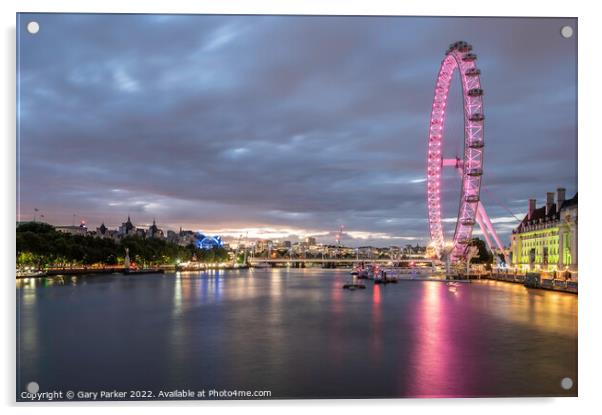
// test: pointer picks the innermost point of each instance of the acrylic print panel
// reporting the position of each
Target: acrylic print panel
(272, 207)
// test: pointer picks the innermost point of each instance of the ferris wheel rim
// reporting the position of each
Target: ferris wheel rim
(459, 57)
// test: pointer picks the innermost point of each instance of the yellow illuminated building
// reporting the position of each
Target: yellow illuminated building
(546, 239)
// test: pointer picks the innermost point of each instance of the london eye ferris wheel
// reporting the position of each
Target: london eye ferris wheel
(459, 57)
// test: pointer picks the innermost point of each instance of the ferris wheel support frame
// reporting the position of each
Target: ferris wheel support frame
(482, 218)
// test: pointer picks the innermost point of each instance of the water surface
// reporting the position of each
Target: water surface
(295, 333)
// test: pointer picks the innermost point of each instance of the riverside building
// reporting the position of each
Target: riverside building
(80, 229)
(546, 239)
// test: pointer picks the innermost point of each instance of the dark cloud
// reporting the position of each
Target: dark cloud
(282, 122)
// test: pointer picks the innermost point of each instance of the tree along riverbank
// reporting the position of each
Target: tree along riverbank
(41, 247)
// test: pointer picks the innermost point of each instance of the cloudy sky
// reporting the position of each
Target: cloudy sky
(282, 126)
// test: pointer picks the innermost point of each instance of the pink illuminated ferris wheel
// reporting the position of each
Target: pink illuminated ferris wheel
(458, 57)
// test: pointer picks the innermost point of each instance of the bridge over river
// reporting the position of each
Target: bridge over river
(421, 262)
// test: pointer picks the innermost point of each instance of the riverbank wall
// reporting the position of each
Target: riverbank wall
(534, 280)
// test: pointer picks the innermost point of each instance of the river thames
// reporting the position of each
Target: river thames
(296, 333)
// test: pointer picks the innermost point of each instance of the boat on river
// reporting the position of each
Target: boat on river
(381, 277)
(354, 286)
(31, 274)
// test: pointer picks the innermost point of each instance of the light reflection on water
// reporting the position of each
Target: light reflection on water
(431, 369)
(297, 333)
(376, 344)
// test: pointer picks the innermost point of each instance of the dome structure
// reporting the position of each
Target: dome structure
(208, 242)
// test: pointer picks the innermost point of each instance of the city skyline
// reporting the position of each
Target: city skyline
(229, 235)
(288, 126)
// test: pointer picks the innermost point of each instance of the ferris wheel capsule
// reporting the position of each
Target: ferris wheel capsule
(474, 172)
(475, 92)
(472, 72)
(467, 222)
(476, 144)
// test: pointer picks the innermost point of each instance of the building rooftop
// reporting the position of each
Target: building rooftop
(570, 202)
(553, 214)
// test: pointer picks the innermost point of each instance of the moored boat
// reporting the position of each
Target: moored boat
(381, 277)
(354, 286)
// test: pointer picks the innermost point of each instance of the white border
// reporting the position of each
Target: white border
(590, 24)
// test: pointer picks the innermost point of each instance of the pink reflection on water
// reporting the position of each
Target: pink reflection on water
(335, 321)
(430, 374)
(375, 296)
(336, 294)
(376, 343)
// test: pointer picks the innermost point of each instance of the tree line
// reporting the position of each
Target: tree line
(40, 245)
